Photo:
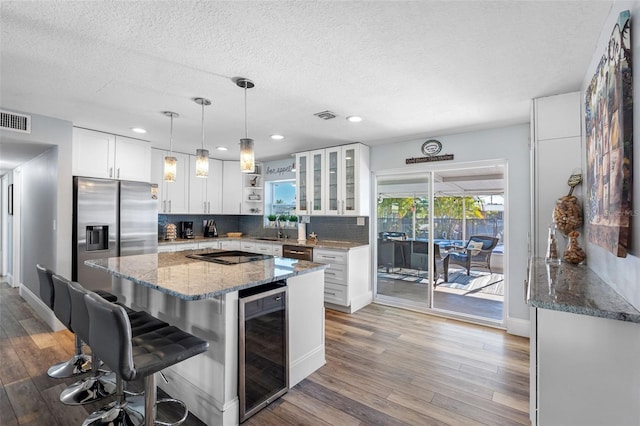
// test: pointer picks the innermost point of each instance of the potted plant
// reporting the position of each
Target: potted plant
(283, 218)
(272, 220)
(293, 220)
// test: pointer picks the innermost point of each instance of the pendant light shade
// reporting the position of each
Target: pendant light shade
(170, 162)
(202, 163)
(202, 160)
(247, 157)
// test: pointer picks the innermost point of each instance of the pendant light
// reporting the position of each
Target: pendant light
(247, 158)
(202, 160)
(170, 162)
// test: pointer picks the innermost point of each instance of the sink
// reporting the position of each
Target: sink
(268, 239)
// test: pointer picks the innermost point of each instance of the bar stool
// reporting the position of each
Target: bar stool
(101, 383)
(80, 363)
(132, 358)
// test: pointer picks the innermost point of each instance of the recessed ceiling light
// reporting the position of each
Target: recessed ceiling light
(277, 137)
(222, 148)
(354, 118)
(138, 130)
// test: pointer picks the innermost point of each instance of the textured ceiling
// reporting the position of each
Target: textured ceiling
(411, 69)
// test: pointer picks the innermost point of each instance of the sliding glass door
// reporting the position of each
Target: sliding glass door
(439, 242)
(404, 262)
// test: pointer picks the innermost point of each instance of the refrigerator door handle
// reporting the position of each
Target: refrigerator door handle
(118, 173)
(110, 171)
(169, 206)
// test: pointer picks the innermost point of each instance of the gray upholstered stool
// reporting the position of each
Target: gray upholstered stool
(80, 363)
(136, 357)
(101, 383)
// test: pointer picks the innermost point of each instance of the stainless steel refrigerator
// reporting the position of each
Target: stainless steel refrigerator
(110, 218)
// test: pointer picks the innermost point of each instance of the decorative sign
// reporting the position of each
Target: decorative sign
(609, 140)
(279, 170)
(431, 149)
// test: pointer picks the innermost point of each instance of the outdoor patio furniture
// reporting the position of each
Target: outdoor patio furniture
(476, 253)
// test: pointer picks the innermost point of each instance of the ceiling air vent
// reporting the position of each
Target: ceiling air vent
(325, 115)
(15, 122)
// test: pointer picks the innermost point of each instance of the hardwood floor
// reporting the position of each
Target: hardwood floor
(385, 366)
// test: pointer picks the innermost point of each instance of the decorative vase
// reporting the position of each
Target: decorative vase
(567, 215)
(574, 253)
(552, 246)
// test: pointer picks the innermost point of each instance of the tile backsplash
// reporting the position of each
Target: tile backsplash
(326, 227)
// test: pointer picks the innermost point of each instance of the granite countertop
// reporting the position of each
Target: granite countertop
(576, 289)
(327, 244)
(192, 279)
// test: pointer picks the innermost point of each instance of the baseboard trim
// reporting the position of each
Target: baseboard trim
(41, 309)
(302, 367)
(360, 302)
(518, 327)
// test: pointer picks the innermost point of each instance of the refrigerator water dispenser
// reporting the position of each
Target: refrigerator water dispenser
(97, 237)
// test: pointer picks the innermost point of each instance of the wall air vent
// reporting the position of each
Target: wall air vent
(325, 115)
(15, 122)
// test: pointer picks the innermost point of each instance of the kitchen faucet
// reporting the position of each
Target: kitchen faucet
(278, 227)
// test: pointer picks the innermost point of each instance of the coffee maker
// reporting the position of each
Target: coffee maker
(209, 228)
(186, 230)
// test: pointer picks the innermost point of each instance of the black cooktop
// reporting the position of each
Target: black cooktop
(230, 257)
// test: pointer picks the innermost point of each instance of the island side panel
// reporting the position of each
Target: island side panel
(306, 325)
(207, 383)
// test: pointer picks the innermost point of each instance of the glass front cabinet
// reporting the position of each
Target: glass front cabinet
(310, 178)
(334, 181)
(342, 180)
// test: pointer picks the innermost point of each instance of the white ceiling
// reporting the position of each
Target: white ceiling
(411, 69)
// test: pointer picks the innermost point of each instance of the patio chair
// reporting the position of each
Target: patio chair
(476, 253)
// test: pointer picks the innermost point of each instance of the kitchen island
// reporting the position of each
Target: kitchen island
(202, 298)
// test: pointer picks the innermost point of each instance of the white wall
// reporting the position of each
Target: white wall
(623, 274)
(39, 181)
(52, 171)
(510, 145)
(6, 268)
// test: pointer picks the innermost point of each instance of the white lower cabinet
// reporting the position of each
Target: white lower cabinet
(230, 244)
(209, 244)
(249, 246)
(166, 248)
(347, 281)
(186, 246)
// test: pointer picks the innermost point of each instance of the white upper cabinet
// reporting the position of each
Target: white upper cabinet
(231, 187)
(310, 179)
(205, 194)
(133, 159)
(173, 197)
(334, 181)
(347, 189)
(103, 155)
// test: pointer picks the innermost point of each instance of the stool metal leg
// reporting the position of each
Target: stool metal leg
(151, 403)
(150, 399)
(118, 413)
(79, 364)
(91, 389)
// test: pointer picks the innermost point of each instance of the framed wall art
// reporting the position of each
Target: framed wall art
(609, 142)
